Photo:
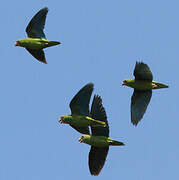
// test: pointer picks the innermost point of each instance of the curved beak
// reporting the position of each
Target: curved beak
(80, 140)
(16, 43)
(60, 121)
(123, 83)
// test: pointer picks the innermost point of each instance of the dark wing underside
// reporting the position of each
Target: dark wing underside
(98, 112)
(97, 155)
(142, 72)
(139, 103)
(36, 25)
(38, 54)
(83, 130)
(79, 105)
(97, 158)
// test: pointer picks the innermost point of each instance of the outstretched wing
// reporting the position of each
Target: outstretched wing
(38, 54)
(79, 105)
(139, 103)
(96, 159)
(142, 72)
(36, 25)
(97, 155)
(98, 112)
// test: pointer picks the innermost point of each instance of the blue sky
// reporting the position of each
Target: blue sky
(101, 41)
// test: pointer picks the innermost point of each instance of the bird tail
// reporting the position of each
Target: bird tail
(51, 43)
(54, 43)
(160, 85)
(116, 143)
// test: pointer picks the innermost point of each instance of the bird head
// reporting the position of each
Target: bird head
(64, 119)
(17, 43)
(128, 82)
(81, 139)
(84, 139)
(124, 83)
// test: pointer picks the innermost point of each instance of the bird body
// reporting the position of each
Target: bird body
(81, 121)
(80, 118)
(143, 85)
(99, 141)
(35, 43)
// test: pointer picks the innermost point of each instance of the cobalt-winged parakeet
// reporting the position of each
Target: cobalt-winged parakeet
(36, 41)
(99, 139)
(80, 118)
(143, 85)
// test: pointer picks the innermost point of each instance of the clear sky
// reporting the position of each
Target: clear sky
(101, 42)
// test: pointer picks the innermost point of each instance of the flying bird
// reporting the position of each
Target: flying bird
(99, 140)
(80, 118)
(143, 85)
(36, 40)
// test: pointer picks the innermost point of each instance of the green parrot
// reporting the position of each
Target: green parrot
(36, 41)
(99, 139)
(143, 85)
(79, 105)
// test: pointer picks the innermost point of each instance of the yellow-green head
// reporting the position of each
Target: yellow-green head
(65, 119)
(84, 139)
(17, 43)
(129, 82)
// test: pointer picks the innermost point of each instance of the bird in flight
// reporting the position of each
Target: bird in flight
(36, 40)
(80, 118)
(99, 139)
(142, 85)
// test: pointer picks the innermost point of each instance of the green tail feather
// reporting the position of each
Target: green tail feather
(160, 85)
(116, 143)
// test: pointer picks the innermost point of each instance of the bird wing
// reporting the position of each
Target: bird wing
(83, 130)
(97, 158)
(38, 54)
(98, 112)
(79, 105)
(36, 25)
(142, 72)
(139, 103)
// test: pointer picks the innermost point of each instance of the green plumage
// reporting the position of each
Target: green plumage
(36, 41)
(99, 139)
(81, 121)
(143, 85)
(80, 118)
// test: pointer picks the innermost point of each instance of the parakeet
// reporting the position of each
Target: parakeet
(99, 139)
(79, 105)
(36, 41)
(143, 85)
